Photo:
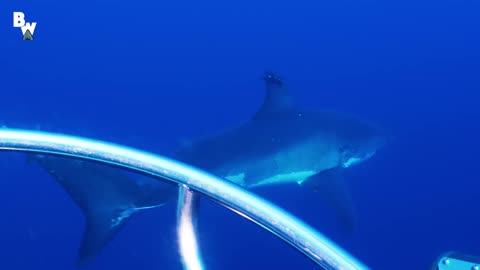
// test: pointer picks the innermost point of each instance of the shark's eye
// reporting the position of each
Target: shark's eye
(343, 149)
(347, 148)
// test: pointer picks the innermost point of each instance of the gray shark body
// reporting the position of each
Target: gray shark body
(280, 144)
(284, 144)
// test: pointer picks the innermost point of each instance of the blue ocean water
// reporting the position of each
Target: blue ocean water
(152, 74)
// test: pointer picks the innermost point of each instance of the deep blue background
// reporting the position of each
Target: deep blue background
(153, 73)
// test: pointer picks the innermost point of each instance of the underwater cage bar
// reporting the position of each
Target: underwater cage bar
(192, 183)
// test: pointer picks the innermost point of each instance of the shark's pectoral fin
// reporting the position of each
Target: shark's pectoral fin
(101, 226)
(331, 186)
(104, 221)
(154, 194)
(107, 197)
(238, 179)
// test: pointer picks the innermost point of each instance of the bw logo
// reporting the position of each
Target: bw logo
(27, 28)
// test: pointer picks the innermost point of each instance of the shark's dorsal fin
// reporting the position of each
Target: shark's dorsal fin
(277, 99)
(107, 197)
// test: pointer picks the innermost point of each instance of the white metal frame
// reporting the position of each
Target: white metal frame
(192, 182)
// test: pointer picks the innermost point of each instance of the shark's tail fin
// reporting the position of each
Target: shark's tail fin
(107, 197)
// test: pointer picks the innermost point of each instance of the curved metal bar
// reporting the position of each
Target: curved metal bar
(187, 209)
(314, 245)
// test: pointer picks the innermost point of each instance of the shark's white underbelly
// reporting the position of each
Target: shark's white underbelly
(285, 178)
(293, 164)
(292, 177)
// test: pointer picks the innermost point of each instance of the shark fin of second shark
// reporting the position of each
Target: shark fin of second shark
(330, 184)
(277, 98)
(107, 196)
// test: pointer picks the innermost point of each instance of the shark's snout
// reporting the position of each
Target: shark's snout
(362, 149)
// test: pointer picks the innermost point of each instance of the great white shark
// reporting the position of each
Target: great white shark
(283, 143)
(280, 144)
